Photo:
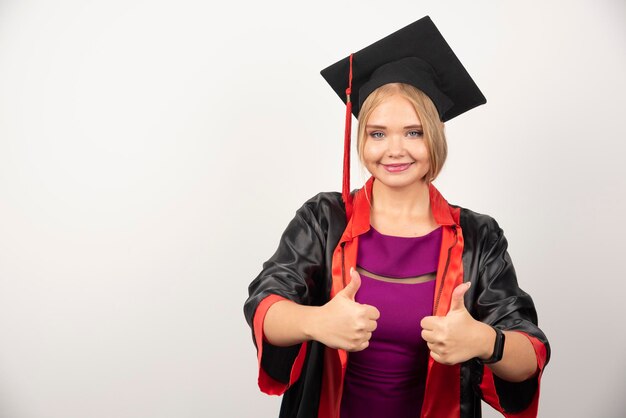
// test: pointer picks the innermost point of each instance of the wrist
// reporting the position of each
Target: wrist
(310, 322)
(497, 352)
(488, 341)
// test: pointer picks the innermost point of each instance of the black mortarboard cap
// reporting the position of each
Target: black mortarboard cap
(417, 55)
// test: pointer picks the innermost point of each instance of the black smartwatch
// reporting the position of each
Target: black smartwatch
(498, 348)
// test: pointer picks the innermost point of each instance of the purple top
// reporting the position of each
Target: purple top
(397, 257)
(387, 379)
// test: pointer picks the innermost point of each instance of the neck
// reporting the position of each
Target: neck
(411, 201)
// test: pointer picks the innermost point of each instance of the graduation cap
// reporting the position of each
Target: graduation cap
(417, 55)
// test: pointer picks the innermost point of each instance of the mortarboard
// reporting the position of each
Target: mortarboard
(417, 55)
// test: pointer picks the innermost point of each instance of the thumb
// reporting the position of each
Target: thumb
(458, 304)
(354, 285)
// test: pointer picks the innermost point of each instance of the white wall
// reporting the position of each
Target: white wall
(151, 153)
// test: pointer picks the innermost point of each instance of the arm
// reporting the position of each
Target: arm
(283, 308)
(287, 323)
(492, 297)
(497, 300)
(340, 323)
(294, 273)
(458, 337)
(519, 361)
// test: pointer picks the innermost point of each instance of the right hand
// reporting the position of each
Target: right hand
(344, 323)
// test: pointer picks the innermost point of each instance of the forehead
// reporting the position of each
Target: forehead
(394, 110)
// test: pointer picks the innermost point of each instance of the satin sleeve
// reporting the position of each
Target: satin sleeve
(501, 303)
(292, 273)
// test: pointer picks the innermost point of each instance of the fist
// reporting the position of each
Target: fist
(343, 322)
(456, 337)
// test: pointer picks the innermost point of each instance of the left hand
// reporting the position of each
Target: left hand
(457, 337)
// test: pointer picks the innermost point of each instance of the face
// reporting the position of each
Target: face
(395, 150)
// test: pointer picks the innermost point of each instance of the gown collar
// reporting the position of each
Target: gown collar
(360, 221)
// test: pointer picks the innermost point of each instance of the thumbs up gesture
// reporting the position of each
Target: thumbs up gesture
(456, 337)
(343, 322)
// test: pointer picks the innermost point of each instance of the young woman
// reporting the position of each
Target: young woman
(421, 294)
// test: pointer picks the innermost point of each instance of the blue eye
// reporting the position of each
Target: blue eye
(415, 134)
(377, 134)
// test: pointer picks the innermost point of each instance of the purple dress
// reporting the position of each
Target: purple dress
(387, 379)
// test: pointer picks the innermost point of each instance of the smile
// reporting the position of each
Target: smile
(396, 168)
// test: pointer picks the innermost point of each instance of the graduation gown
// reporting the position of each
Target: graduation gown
(311, 266)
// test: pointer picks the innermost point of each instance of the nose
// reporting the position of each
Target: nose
(395, 146)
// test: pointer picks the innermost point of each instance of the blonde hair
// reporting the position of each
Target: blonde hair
(434, 134)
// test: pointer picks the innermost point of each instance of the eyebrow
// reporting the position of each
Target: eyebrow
(384, 127)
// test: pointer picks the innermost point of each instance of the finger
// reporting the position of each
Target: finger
(359, 346)
(354, 285)
(371, 326)
(429, 322)
(428, 336)
(458, 304)
(371, 312)
(438, 349)
(436, 357)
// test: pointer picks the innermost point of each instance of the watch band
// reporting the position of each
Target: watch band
(498, 348)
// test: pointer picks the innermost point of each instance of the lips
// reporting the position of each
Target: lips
(396, 168)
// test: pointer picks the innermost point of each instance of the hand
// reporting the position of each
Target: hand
(457, 337)
(344, 323)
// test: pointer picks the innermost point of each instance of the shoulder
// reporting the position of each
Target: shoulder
(326, 212)
(323, 205)
(478, 226)
(323, 202)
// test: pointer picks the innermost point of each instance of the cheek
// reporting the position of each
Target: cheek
(420, 151)
(371, 151)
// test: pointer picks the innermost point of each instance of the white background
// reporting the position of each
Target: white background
(152, 152)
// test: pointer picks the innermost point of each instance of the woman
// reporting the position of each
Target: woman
(422, 294)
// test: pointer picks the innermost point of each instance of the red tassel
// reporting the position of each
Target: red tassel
(345, 190)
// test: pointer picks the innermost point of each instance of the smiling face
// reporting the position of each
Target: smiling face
(395, 151)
